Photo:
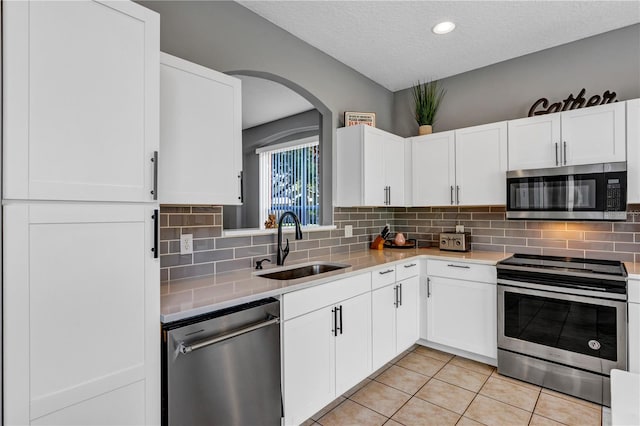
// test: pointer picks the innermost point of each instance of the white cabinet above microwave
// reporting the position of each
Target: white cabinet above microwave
(580, 136)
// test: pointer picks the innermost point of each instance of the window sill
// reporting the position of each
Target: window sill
(287, 230)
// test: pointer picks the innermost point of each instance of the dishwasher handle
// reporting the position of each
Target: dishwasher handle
(185, 349)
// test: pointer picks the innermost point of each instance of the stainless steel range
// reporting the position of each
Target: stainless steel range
(562, 323)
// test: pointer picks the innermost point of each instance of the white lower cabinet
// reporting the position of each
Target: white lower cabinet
(634, 325)
(395, 319)
(328, 350)
(81, 336)
(462, 313)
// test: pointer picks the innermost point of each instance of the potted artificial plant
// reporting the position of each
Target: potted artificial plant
(427, 97)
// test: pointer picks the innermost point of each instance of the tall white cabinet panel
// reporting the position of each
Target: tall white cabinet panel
(433, 169)
(80, 100)
(82, 322)
(633, 151)
(200, 134)
(370, 167)
(594, 134)
(534, 142)
(383, 321)
(481, 164)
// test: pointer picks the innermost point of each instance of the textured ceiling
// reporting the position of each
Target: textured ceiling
(391, 41)
(264, 101)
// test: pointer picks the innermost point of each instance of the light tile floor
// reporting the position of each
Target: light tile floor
(428, 387)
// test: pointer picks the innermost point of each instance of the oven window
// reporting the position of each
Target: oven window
(561, 324)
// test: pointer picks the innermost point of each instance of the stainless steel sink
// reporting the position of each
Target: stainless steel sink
(304, 271)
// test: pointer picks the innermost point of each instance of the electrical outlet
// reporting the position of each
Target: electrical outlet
(186, 243)
(460, 228)
(348, 231)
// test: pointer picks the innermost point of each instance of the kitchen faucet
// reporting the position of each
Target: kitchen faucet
(283, 253)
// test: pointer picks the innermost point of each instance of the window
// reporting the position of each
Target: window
(289, 180)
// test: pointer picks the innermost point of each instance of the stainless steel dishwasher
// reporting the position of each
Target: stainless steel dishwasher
(223, 368)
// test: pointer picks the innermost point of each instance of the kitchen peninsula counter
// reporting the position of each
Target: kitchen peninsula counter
(190, 297)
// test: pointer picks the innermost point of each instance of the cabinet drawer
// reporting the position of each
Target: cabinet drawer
(462, 270)
(383, 276)
(407, 269)
(302, 301)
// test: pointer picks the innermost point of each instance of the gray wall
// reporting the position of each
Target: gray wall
(297, 126)
(504, 91)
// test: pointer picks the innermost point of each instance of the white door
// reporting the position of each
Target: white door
(309, 364)
(81, 332)
(481, 164)
(433, 169)
(200, 134)
(383, 323)
(407, 314)
(80, 85)
(534, 142)
(462, 315)
(353, 343)
(373, 165)
(393, 166)
(633, 151)
(594, 134)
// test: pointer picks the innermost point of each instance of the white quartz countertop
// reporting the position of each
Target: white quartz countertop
(181, 299)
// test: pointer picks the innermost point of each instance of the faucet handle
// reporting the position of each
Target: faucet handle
(259, 263)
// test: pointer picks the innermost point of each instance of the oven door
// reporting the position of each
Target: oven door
(578, 331)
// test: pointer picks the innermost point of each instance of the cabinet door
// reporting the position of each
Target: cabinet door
(309, 364)
(594, 134)
(81, 331)
(81, 93)
(353, 343)
(407, 314)
(633, 151)
(534, 142)
(462, 314)
(433, 169)
(383, 322)
(373, 164)
(481, 164)
(200, 134)
(394, 167)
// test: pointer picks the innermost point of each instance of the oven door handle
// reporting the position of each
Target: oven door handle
(591, 299)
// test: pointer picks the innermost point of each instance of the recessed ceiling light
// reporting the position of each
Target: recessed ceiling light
(444, 27)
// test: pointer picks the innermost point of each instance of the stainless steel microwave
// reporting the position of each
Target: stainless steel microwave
(585, 192)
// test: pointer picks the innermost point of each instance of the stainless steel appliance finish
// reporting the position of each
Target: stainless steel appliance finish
(562, 323)
(585, 192)
(459, 241)
(224, 368)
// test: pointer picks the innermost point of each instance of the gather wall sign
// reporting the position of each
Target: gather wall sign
(542, 106)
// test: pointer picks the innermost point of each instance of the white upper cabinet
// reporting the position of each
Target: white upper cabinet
(481, 164)
(371, 169)
(200, 134)
(534, 142)
(80, 81)
(581, 136)
(433, 169)
(633, 151)
(461, 167)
